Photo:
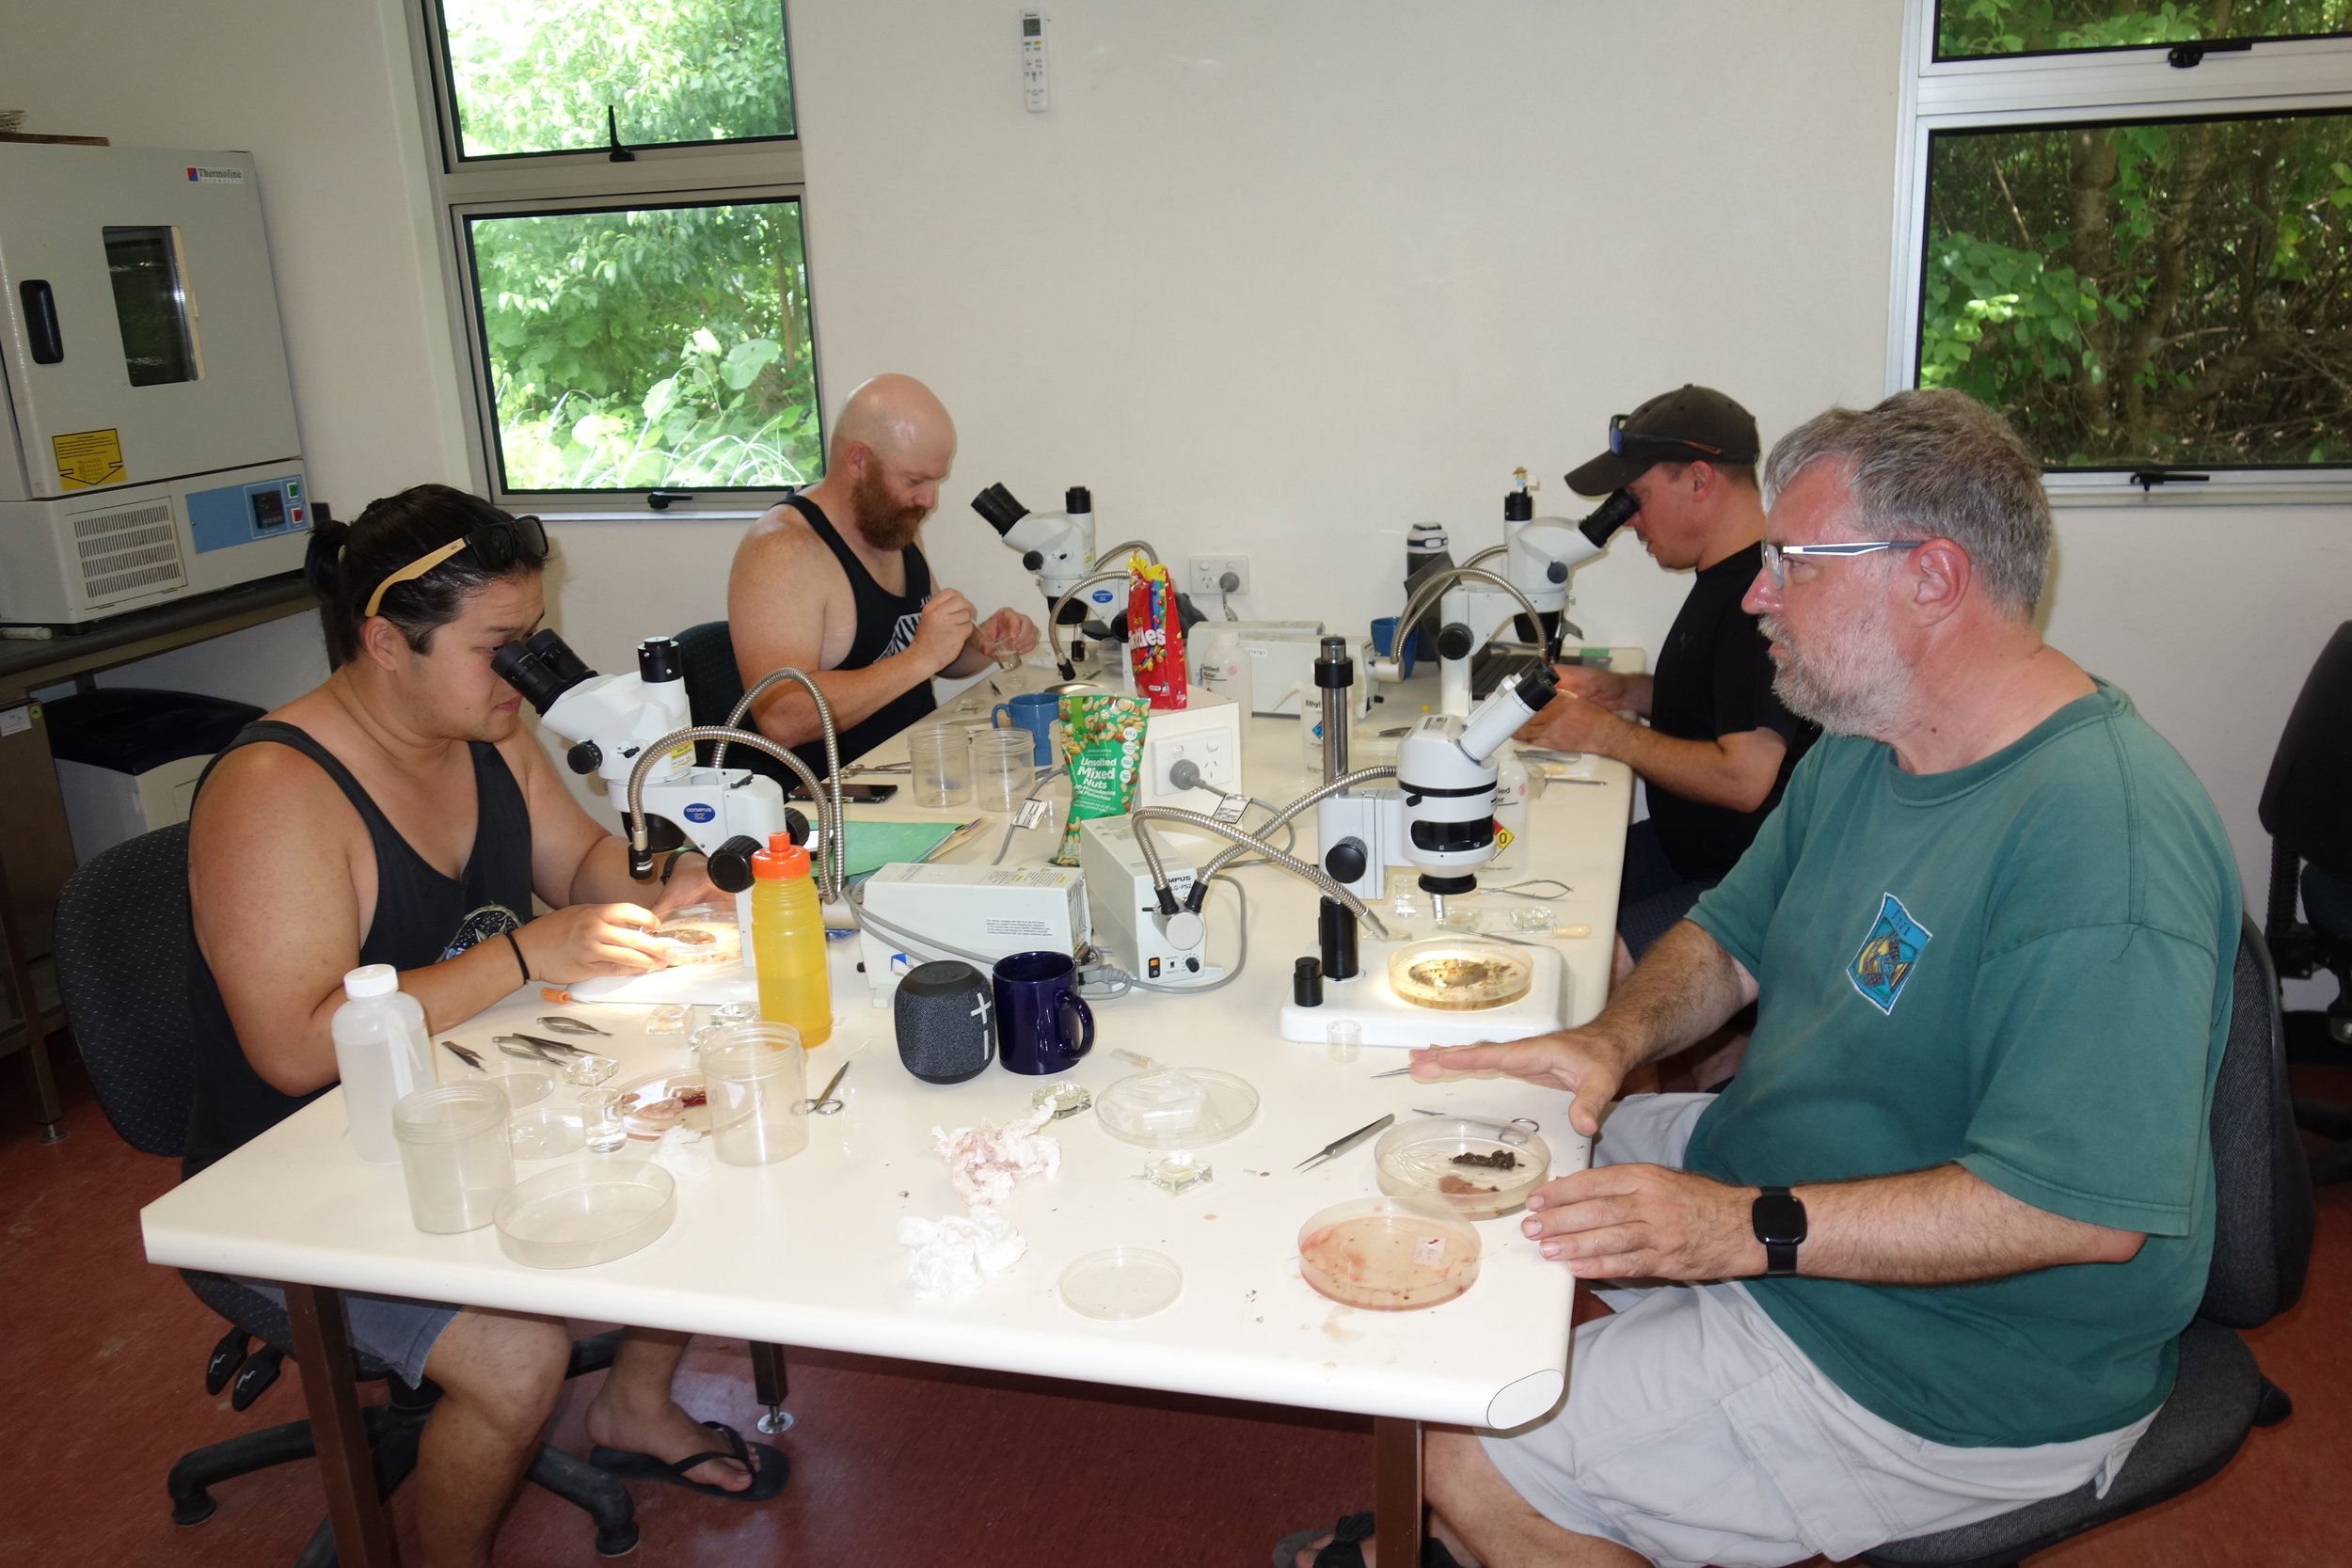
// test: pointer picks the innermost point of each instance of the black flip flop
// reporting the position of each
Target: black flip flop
(1344, 1549)
(768, 1471)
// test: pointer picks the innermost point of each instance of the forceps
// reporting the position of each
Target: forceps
(827, 1103)
(1525, 1124)
(573, 1026)
(1340, 1146)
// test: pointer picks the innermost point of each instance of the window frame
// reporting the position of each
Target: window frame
(2031, 91)
(518, 184)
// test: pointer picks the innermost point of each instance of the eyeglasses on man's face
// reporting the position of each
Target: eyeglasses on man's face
(1777, 556)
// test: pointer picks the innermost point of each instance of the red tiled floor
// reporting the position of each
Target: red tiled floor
(894, 1464)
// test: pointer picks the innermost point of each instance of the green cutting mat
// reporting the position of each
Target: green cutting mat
(872, 846)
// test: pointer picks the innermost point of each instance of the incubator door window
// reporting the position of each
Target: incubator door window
(151, 305)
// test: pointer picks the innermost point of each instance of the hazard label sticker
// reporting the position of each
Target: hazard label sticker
(89, 458)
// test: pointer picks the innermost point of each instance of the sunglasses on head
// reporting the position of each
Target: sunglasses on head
(1633, 443)
(496, 544)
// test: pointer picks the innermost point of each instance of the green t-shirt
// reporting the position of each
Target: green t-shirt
(2022, 965)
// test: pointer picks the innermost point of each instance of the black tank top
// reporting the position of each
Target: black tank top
(422, 917)
(886, 622)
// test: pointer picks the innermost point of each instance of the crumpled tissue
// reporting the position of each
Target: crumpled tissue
(952, 1254)
(984, 1161)
(679, 1153)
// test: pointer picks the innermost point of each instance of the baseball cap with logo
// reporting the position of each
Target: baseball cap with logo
(1689, 425)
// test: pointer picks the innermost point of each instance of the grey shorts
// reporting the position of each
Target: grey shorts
(1695, 1432)
(393, 1330)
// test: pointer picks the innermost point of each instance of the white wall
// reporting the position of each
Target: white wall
(1275, 279)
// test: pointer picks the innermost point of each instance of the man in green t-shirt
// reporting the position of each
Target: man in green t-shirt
(1962, 1180)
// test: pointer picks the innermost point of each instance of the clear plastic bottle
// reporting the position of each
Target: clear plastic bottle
(788, 942)
(1511, 788)
(381, 1054)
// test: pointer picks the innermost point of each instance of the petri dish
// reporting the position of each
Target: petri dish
(587, 1211)
(1121, 1282)
(524, 1086)
(1389, 1254)
(700, 934)
(1476, 1168)
(546, 1130)
(1166, 1107)
(653, 1105)
(1460, 974)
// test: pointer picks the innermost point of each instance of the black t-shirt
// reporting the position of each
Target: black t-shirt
(1714, 678)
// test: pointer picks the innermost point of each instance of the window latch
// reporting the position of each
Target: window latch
(2147, 479)
(614, 151)
(659, 500)
(2187, 56)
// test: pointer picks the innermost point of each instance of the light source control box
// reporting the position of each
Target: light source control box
(996, 911)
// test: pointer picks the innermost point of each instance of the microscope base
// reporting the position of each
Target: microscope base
(1385, 1019)
(710, 985)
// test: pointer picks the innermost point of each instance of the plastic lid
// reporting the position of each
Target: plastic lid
(449, 1111)
(782, 859)
(1176, 1107)
(371, 981)
(1121, 1282)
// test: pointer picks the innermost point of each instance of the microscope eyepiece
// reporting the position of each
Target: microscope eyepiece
(542, 669)
(996, 506)
(1609, 516)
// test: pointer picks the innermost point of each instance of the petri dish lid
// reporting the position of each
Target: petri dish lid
(701, 934)
(1460, 973)
(1461, 1162)
(545, 1132)
(1121, 1282)
(1171, 1107)
(1389, 1254)
(585, 1212)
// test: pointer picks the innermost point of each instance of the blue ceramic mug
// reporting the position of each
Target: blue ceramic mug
(1043, 1024)
(1033, 711)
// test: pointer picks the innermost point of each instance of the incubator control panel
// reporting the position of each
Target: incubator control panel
(233, 514)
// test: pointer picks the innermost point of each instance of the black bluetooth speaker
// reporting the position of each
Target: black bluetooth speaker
(944, 1014)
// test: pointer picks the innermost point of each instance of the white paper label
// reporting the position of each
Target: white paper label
(1033, 814)
(16, 720)
(1429, 1252)
(1228, 808)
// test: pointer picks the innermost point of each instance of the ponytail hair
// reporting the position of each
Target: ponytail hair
(347, 561)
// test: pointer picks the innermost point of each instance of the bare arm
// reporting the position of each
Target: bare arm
(1734, 770)
(276, 861)
(1618, 693)
(1682, 990)
(1938, 1227)
(778, 599)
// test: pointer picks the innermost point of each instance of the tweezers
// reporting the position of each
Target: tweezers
(1340, 1146)
(573, 1026)
(472, 1058)
(519, 1047)
(562, 1046)
(1508, 1129)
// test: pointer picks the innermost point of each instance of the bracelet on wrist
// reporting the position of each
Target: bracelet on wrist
(520, 962)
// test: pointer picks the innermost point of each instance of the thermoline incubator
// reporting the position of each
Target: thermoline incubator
(149, 451)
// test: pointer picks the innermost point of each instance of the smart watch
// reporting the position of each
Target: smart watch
(1778, 1220)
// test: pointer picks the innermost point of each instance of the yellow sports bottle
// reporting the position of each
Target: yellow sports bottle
(788, 942)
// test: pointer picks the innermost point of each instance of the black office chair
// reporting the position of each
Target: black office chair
(122, 946)
(713, 687)
(2262, 1239)
(2307, 810)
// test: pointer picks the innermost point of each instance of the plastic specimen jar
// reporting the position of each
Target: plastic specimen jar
(939, 767)
(454, 1153)
(1002, 768)
(757, 1081)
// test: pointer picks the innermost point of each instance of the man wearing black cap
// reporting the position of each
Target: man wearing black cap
(1719, 745)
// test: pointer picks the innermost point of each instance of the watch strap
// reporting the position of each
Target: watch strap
(1780, 1241)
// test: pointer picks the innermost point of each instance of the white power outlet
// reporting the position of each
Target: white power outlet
(1212, 751)
(1209, 572)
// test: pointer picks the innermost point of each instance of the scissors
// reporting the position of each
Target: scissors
(573, 1026)
(827, 1103)
(1340, 1146)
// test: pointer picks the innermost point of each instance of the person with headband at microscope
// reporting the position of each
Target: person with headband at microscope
(401, 815)
(1929, 1258)
(833, 582)
(1719, 746)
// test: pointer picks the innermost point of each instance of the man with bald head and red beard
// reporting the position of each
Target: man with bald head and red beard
(833, 582)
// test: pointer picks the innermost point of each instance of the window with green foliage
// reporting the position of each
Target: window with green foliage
(649, 348)
(1977, 29)
(640, 325)
(540, 76)
(2138, 248)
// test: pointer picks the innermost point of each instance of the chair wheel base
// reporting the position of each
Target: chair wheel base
(194, 1509)
(617, 1540)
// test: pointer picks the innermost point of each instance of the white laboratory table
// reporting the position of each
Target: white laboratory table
(804, 1252)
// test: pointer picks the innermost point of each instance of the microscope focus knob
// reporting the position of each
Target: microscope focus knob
(585, 757)
(731, 863)
(1032, 560)
(1346, 860)
(1455, 641)
(1555, 572)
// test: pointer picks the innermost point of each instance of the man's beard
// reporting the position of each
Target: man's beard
(1857, 684)
(880, 524)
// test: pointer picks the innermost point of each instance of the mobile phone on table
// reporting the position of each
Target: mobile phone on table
(863, 794)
